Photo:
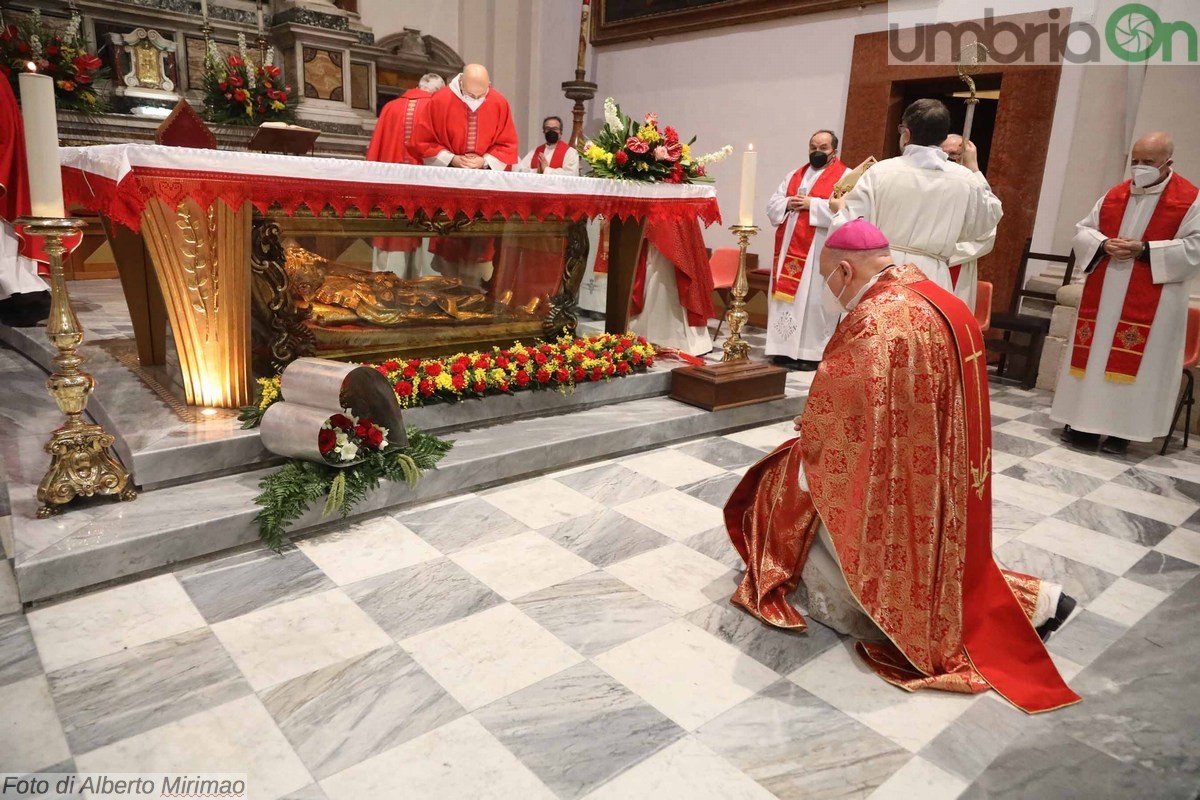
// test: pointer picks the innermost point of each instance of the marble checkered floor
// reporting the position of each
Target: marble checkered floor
(570, 637)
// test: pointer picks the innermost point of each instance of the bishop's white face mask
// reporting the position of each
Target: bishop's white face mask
(1144, 175)
(831, 302)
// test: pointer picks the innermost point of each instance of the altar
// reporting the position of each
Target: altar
(250, 257)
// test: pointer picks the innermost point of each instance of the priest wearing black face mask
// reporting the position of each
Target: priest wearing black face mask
(555, 157)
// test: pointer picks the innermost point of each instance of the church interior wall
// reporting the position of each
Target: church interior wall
(438, 18)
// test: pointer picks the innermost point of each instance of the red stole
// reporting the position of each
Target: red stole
(999, 638)
(682, 243)
(1142, 296)
(787, 278)
(556, 159)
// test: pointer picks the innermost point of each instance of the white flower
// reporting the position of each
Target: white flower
(72, 34)
(349, 451)
(270, 59)
(35, 48)
(712, 158)
(341, 438)
(611, 117)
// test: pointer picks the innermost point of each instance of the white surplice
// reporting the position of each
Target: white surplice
(799, 329)
(926, 206)
(570, 162)
(1138, 411)
(663, 320)
(18, 274)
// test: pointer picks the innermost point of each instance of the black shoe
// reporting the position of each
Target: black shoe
(1066, 604)
(1115, 445)
(1080, 439)
(807, 366)
(784, 361)
(25, 310)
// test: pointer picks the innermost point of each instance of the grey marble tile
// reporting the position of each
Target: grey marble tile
(1064, 480)
(1115, 522)
(115, 697)
(1085, 636)
(424, 596)
(715, 544)
(807, 748)
(577, 729)
(606, 537)
(1011, 521)
(594, 612)
(1163, 572)
(1160, 484)
(611, 484)
(1192, 523)
(455, 526)
(1017, 446)
(977, 737)
(18, 655)
(1081, 581)
(348, 712)
(1053, 765)
(782, 651)
(238, 584)
(715, 491)
(311, 792)
(723, 452)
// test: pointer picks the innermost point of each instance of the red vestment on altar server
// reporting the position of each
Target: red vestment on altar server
(895, 444)
(392, 142)
(682, 243)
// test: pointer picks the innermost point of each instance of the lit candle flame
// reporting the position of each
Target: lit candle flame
(30, 66)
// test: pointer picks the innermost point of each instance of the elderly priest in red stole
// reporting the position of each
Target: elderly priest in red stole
(1140, 248)
(468, 125)
(880, 513)
(392, 142)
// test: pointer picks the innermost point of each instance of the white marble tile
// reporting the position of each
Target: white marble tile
(1174, 467)
(1007, 411)
(1041, 499)
(685, 769)
(1135, 501)
(672, 468)
(1126, 602)
(919, 778)
(106, 622)
(675, 575)
(521, 564)
(31, 737)
(1082, 462)
(911, 719)
(10, 601)
(281, 642)
(686, 673)
(458, 760)
(1067, 668)
(1181, 543)
(1027, 431)
(542, 502)
(237, 737)
(489, 655)
(1002, 461)
(766, 438)
(1087, 546)
(673, 513)
(366, 549)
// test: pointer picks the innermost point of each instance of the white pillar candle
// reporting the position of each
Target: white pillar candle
(746, 207)
(260, 16)
(41, 145)
(204, 8)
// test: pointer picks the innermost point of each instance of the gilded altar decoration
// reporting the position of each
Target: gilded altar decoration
(146, 65)
(63, 55)
(200, 267)
(640, 151)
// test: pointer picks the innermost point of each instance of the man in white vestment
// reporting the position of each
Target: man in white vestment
(964, 265)
(1141, 249)
(926, 205)
(798, 327)
(555, 157)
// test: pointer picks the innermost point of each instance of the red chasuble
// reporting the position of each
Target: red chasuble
(682, 243)
(787, 277)
(14, 176)
(392, 142)
(895, 442)
(1142, 296)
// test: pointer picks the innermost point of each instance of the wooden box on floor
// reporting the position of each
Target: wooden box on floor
(729, 384)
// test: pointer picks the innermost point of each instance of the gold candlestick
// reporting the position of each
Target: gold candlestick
(736, 348)
(80, 461)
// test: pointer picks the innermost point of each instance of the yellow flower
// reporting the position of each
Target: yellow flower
(444, 381)
(277, 106)
(649, 135)
(687, 152)
(480, 375)
(498, 374)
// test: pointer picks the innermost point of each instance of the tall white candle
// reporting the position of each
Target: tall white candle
(204, 8)
(746, 207)
(41, 145)
(260, 16)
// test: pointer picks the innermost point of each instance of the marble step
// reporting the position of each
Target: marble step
(106, 541)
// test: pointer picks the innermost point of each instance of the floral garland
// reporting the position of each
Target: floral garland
(238, 92)
(62, 56)
(560, 365)
(642, 152)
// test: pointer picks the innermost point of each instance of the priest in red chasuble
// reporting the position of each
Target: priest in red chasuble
(392, 142)
(880, 512)
(468, 126)
(1140, 250)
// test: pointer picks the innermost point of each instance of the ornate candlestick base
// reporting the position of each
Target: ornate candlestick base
(80, 461)
(736, 381)
(580, 91)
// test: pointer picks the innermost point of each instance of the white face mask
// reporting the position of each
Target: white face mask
(831, 302)
(1144, 175)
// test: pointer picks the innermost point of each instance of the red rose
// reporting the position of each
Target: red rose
(522, 358)
(360, 430)
(642, 340)
(609, 369)
(543, 375)
(403, 388)
(240, 95)
(341, 422)
(458, 368)
(326, 439)
(546, 348)
(433, 369)
(623, 368)
(390, 366)
(382, 370)
(502, 386)
(671, 134)
(636, 358)
(622, 158)
(425, 387)
(480, 387)
(635, 145)
(410, 371)
(458, 382)
(580, 374)
(627, 342)
(540, 358)
(597, 374)
(414, 363)
(562, 375)
(522, 379)
(502, 362)
(590, 353)
(374, 437)
(482, 362)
